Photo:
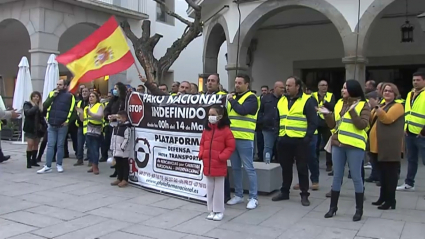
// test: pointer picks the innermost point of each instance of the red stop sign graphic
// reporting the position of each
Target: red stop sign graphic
(135, 108)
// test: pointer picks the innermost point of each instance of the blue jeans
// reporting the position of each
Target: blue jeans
(270, 138)
(354, 157)
(93, 144)
(313, 162)
(243, 155)
(55, 137)
(415, 146)
(81, 141)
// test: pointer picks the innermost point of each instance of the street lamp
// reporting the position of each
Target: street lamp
(407, 32)
(407, 28)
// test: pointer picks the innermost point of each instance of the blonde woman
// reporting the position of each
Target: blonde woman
(34, 126)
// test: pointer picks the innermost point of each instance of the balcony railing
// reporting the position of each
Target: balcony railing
(132, 5)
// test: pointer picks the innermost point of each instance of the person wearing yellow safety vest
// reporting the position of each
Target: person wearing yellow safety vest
(414, 128)
(298, 122)
(242, 108)
(60, 106)
(92, 118)
(6, 115)
(349, 124)
(323, 131)
(84, 101)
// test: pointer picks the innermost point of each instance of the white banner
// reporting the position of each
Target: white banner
(167, 144)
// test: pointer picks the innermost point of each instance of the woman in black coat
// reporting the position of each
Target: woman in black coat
(34, 126)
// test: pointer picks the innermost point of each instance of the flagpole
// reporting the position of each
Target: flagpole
(137, 68)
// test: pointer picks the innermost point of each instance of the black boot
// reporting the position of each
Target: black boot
(359, 207)
(34, 158)
(334, 204)
(29, 155)
(381, 199)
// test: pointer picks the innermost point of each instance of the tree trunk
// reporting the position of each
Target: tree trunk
(144, 47)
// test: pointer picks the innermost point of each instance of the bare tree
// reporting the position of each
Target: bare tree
(144, 46)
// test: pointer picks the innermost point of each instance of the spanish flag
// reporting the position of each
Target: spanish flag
(105, 52)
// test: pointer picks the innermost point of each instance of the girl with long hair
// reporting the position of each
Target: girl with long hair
(216, 147)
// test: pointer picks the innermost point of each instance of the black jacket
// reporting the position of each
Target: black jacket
(115, 104)
(34, 122)
(268, 115)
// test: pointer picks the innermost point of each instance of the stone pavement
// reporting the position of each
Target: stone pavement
(77, 205)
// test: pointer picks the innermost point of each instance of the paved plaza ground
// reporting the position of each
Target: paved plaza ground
(76, 205)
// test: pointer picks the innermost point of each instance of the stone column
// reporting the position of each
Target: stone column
(43, 44)
(355, 69)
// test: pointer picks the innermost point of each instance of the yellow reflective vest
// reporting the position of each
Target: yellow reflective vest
(401, 101)
(77, 123)
(71, 109)
(242, 126)
(415, 115)
(327, 98)
(293, 122)
(88, 119)
(348, 133)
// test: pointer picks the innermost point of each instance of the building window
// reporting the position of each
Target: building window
(161, 15)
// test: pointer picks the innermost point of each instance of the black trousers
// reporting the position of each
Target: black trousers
(122, 167)
(106, 142)
(290, 149)
(323, 133)
(73, 132)
(389, 179)
(227, 188)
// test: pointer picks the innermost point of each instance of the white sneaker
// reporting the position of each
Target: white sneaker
(235, 200)
(405, 187)
(218, 216)
(368, 166)
(45, 169)
(252, 203)
(211, 216)
(59, 168)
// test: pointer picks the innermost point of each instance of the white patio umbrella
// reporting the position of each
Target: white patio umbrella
(23, 90)
(52, 76)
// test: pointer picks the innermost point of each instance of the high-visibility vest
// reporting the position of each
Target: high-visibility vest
(70, 110)
(348, 133)
(172, 94)
(77, 123)
(293, 122)
(88, 119)
(105, 122)
(415, 116)
(401, 101)
(0, 124)
(338, 107)
(327, 98)
(242, 126)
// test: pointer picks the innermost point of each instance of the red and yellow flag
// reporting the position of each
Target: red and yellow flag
(104, 52)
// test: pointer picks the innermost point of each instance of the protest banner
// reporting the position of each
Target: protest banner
(167, 134)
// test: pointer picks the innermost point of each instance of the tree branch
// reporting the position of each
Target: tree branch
(146, 30)
(193, 5)
(154, 40)
(128, 32)
(172, 14)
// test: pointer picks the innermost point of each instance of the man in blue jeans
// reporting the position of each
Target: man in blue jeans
(268, 117)
(60, 106)
(414, 130)
(242, 109)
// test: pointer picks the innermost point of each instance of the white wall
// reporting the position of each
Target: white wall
(278, 49)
